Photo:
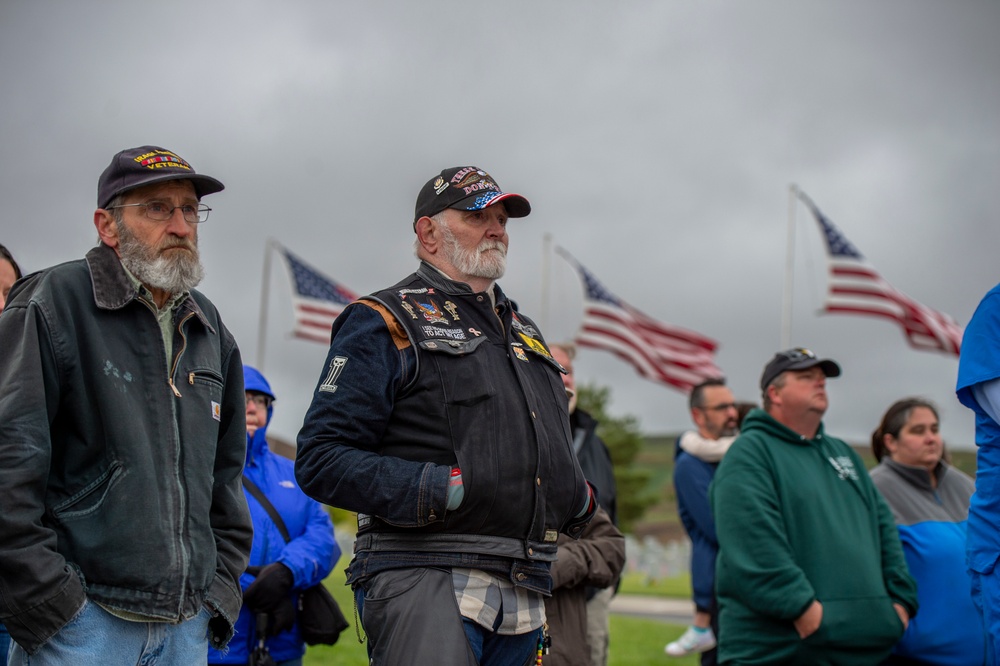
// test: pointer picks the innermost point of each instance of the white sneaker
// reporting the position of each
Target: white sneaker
(691, 642)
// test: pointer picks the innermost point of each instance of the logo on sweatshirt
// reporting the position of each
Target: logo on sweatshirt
(845, 467)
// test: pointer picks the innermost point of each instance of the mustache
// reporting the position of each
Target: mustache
(492, 245)
(178, 243)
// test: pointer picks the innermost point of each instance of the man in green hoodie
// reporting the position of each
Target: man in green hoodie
(810, 568)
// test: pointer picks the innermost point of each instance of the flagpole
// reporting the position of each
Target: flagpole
(265, 288)
(546, 251)
(786, 310)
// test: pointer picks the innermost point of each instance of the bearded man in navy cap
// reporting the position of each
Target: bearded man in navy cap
(122, 438)
(440, 417)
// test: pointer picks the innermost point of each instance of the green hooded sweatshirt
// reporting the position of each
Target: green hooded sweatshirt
(799, 519)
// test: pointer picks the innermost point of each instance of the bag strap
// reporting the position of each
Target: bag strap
(266, 503)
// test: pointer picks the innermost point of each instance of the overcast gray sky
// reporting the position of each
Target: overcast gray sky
(656, 142)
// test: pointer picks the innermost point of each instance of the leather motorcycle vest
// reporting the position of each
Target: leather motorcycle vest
(487, 396)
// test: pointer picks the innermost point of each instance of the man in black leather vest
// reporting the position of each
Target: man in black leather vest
(440, 417)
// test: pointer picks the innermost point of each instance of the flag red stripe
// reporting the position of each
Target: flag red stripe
(313, 337)
(853, 282)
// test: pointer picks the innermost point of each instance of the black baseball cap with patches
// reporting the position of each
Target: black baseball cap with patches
(796, 359)
(466, 188)
(145, 165)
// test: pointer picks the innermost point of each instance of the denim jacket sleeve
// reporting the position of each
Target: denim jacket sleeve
(339, 460)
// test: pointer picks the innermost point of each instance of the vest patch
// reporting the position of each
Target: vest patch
(438, 332)
(431, 312)
(529, 336)
(329, 384)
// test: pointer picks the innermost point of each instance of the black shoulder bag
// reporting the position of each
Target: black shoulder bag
(320, 619)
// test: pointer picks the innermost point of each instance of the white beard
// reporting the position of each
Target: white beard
(489, 260)
(173, 274)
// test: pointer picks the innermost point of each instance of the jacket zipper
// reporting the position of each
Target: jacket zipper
(177, 356)
(185, 568)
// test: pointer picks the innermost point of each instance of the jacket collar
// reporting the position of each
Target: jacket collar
(437, 279)
(114, 290)
(918, 476)
(759, 419)
(257, 443)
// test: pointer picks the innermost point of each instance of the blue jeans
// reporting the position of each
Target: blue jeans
(4, 644)
(95, 636)
(501, 650)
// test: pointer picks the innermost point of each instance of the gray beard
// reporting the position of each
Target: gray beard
(480, 262)
(174, 274)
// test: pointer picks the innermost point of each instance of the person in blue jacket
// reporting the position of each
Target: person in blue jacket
(929, 500)
(283, 570)
(697, 455)
(978, 388)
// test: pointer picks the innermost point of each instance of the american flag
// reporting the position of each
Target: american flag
(663, 353)
(317, 300)
(855, 287)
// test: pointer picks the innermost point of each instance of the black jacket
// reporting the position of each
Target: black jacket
(120, 474)
(424, 376)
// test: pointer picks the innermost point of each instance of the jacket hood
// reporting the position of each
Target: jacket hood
(760, 421)
(253, 380)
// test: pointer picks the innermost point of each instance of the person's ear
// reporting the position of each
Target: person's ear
(107, 230)
(428, 234)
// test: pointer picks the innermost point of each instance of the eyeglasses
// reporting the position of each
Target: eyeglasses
(725, 407)
(161, 212)
(260, 400)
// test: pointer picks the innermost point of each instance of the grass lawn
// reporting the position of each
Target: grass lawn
(677, 587)
(634, 642)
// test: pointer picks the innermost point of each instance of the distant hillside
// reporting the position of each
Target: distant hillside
(660, 520)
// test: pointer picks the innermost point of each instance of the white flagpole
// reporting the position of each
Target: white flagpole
(265, 288)
(546, 251)
(786, 310)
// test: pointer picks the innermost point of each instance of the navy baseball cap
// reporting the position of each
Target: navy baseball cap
(796, 359)
(145, 165)
(466, 188)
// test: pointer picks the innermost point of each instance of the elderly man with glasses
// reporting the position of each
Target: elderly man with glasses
(810, 568)
(122, 438)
